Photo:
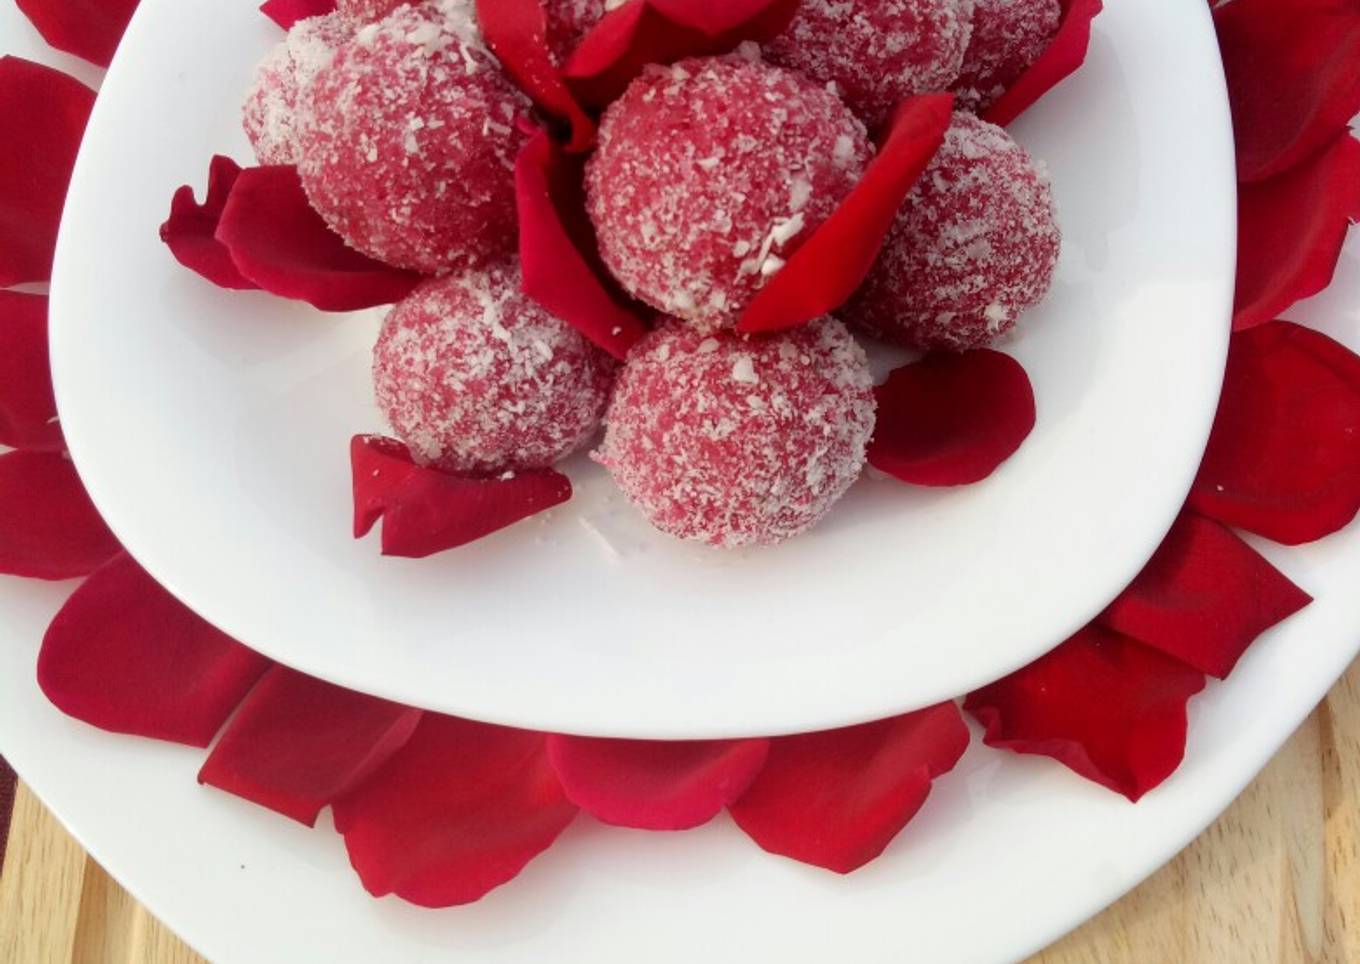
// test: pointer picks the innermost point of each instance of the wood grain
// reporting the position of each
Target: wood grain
(1275, 880)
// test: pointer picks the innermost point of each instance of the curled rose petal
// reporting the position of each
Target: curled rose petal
(517, 33)
(277, 241)
(1290, 230)
(191, 230)
(557, 251)
(837, 798)
(285, 13)
(1102, 704)
(1062, 57)
(1204, 597)
(126, 656)
(644, 32)
(459, 810)
(298, 744)
(90, 29)
(655, 785)
(49, 528)
(28, 412)
(425, 511)
(42, 119)
(827, 268)
(951, 419)
(381, 468)
(1292, 78)
(1283, 458)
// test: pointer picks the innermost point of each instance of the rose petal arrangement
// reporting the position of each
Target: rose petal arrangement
(440, 810)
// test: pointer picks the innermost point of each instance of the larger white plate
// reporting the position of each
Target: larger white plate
(212, 430)
(1008, 853)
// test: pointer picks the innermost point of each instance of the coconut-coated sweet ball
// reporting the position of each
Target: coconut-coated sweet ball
(736, 441)
(709, 174)
(1008, 36)
(567, 21)
(361, 12)
(974, 246)
(268, 112)
(476, 378)
(407, 142)
(877, 52)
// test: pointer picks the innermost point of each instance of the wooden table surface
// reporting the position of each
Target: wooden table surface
(1276, 879)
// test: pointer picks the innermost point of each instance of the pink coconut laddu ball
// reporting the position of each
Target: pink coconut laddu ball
(476, 378)
(876, 52)
(268, 113)
(1008, 36)
(361, 12)
(709, 174)
(407, 141)
(567, 20)
(736, 441)
(973, 247)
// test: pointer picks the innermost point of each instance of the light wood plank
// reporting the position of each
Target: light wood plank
(1339, 720)
(115, 929)
(40, 886)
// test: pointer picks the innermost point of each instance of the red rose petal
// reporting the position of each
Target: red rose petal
(1290, 231)
(718, 18)
(1062, 57)
(89, 29)
(49, 529)
(1292, 78)
(459, 810)
(281, 244)
(298, 744)
(655, 785)
(285, 13)
(1102, 704)
(1204, 597)
(1283, 459)
(827, 268)
(125, 655)
(425, 511)
(646, 32)
(951, 419)
(837, 798)
(28, 412)
(42, 119)
(191, 230)
(381, 467)
(559, 259)
(517, 33)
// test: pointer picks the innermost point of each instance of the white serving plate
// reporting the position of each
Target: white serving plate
(211, 428)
